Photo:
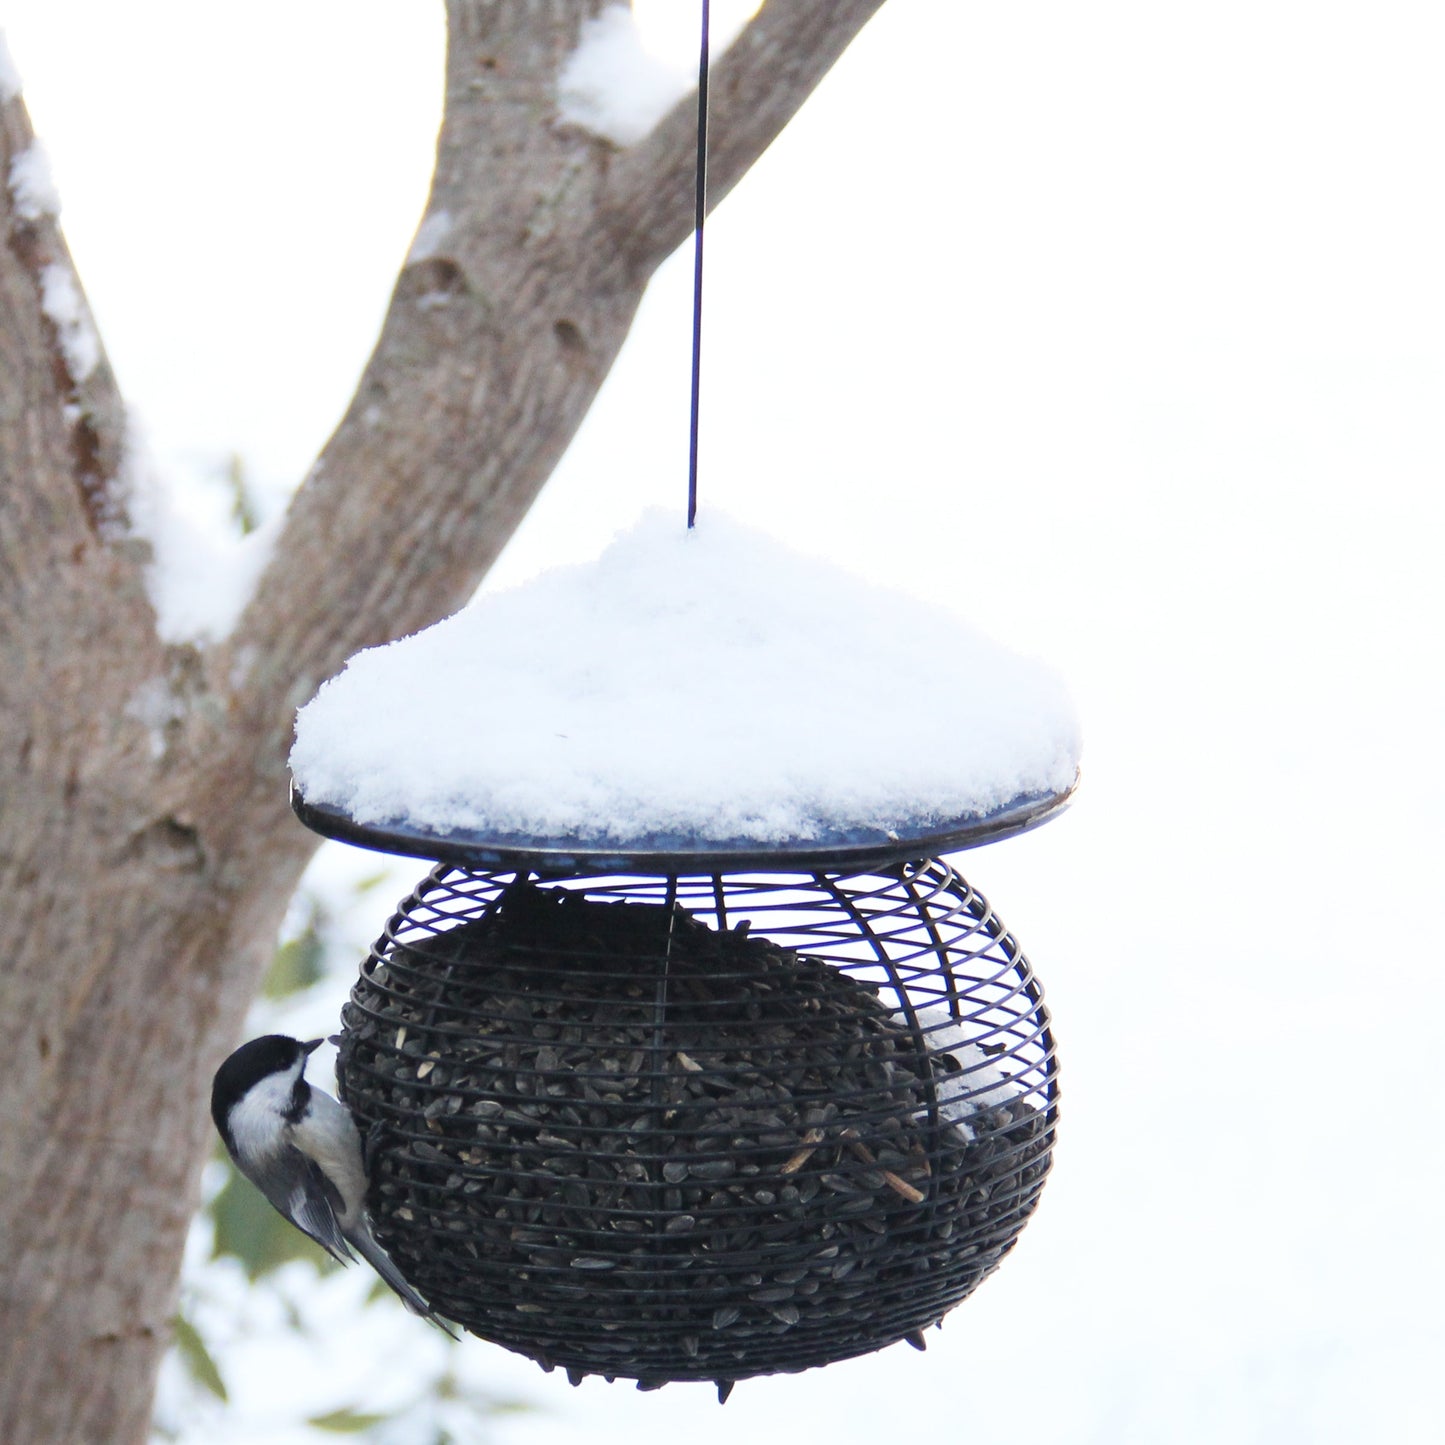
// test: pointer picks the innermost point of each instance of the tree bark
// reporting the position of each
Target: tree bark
(146, 848)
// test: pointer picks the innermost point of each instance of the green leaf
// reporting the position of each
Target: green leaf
(510, 1407)
(297, 964)
(449, 1387)
(243, 503)
(346, 1421)
(197, 1358)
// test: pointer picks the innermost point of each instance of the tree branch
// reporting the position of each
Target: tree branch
(62, 426)
(539, 242)
(757, 87)
(76, 627)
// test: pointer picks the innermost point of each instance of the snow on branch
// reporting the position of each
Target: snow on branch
(633, 63)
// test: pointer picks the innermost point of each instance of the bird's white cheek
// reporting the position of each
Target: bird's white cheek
(256, 1122)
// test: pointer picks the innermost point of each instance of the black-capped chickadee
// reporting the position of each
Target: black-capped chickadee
(301, 1149)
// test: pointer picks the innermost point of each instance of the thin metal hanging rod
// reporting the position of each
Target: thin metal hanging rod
(699, 221)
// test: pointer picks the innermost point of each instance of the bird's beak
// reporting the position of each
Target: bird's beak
(312, 1046)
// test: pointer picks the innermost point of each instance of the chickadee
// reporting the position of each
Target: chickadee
(301, 1149)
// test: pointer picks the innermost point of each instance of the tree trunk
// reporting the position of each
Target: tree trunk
(147, 852)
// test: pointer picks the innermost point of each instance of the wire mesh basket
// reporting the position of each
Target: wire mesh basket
(703, 1127)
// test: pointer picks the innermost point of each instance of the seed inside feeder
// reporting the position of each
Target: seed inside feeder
(617, 1140)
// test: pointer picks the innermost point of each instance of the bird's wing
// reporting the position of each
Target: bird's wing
(298, 1189)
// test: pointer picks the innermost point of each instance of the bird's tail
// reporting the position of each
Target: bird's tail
(362, 1242)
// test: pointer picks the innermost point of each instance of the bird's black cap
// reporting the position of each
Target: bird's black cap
(252, 1062)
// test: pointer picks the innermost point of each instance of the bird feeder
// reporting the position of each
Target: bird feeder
(687, 1107)
(668, 1117)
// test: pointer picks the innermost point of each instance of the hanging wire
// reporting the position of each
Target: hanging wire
(699, 220)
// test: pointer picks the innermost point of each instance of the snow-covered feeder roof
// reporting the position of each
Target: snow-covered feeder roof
(704, 695)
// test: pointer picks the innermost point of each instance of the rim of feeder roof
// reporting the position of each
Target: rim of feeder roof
(854, 850)
(687, 699)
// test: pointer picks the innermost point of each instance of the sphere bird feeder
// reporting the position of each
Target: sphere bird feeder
(660, 1095)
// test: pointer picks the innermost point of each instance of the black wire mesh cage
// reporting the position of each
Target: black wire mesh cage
(699, 1127)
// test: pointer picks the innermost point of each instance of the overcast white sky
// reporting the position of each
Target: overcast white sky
(1119, 330)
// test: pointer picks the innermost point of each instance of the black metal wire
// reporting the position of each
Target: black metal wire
(677, 1185)
(699, 222)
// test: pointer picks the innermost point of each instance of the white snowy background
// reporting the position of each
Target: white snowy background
(1117, 330)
